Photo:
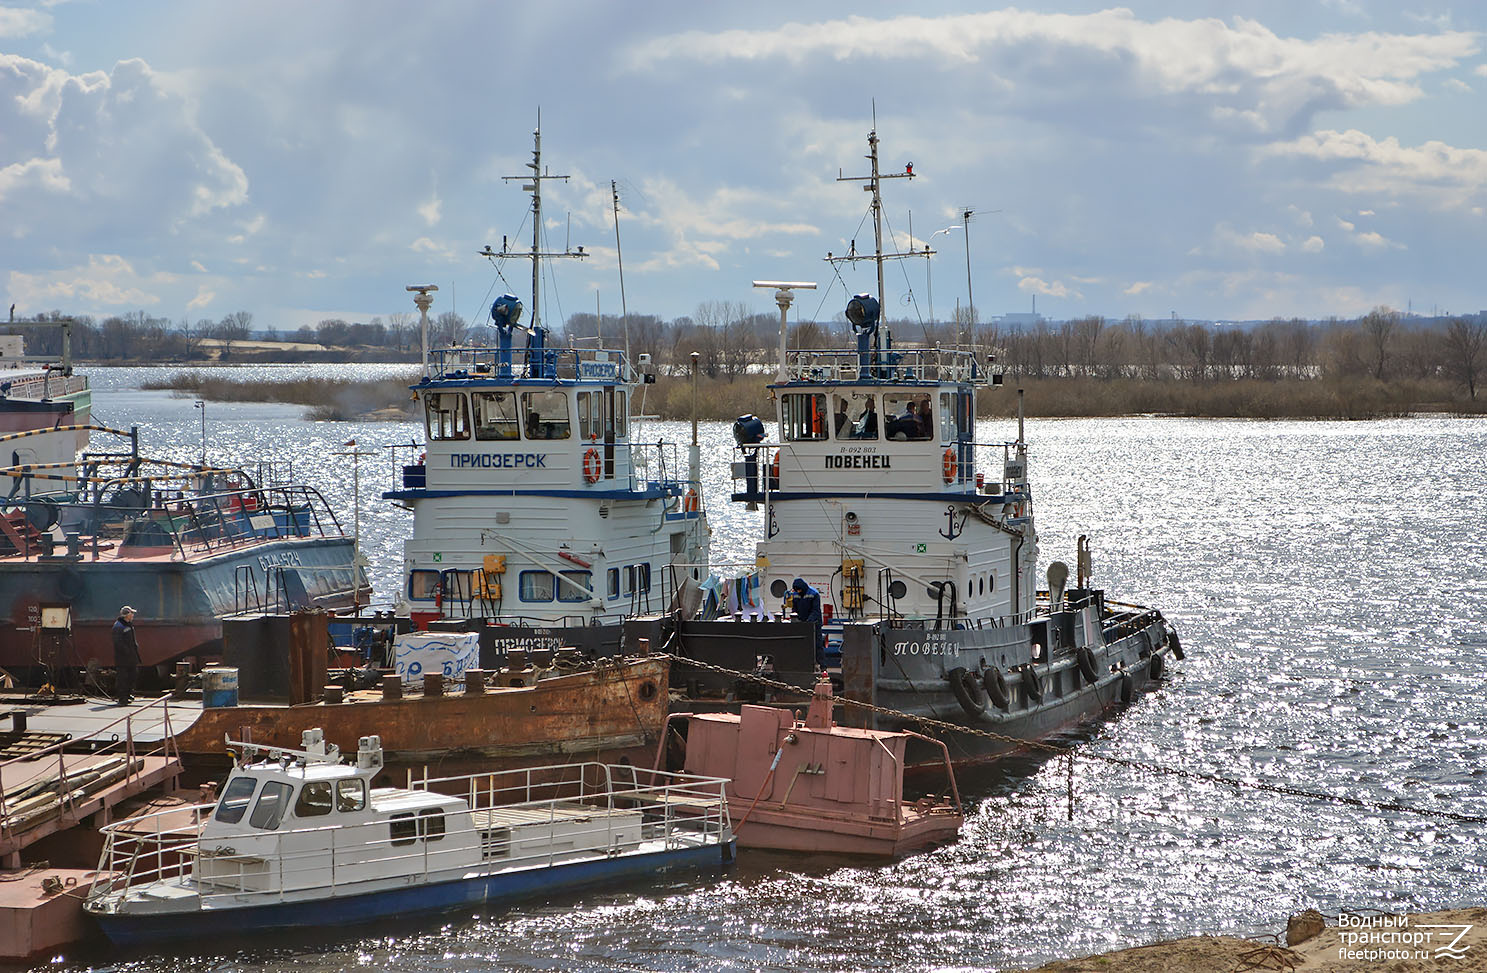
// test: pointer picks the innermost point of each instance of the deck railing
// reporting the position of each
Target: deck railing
(567, 813)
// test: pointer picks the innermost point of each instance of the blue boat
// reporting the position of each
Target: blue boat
(301, 839)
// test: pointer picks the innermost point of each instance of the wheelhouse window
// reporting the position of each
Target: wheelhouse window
(448, 416)
(861, 416)
(495, 415)
(535, 586)
(947, 418)
(314, 799)
(431, 825)
(613, 576)
(576, 591)
(351, 795)
(458, 585)
(272, 802)
(422, 585)
(545, 415)
(802, 416)
(235, 800)
(907, 416)
(621, 414)
(643, 577)
(590, 416)
(403, 829)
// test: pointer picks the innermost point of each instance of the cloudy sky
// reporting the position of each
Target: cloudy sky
(307, 160)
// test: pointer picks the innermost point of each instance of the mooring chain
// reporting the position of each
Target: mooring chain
(1071, 752)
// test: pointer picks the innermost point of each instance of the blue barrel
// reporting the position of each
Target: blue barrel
(219, 686)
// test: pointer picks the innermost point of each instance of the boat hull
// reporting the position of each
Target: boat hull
(180, 603)
(344, 910)
(815, 833)
(907, 672)
(614, 711)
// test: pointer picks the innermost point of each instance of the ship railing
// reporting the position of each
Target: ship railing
(901, 365)
(48, 785)
(196, 523)
(755, 467)
(516, 820)
(638, 466)
(564, 363)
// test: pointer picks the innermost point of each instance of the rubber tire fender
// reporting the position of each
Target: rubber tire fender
(1127, 688)
(995, 685)
(1087, 665)
(1032, 684)
(967, 690)
(1158, 665)
(1177, 652)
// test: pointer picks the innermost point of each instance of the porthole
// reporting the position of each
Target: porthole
(778, 588)
(898, 589)
(648, 690)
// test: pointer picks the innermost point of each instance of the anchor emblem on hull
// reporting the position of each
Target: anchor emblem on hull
(955, 527)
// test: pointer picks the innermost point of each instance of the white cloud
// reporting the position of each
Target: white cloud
(23, 23)
(1438, 174)
(431, 208)
(1226, 238)
(1251, 76)
(429, 246)
(202, 299)
(1313, 244)
(1139, 287)
(1480, 70)
(1456, 84)
(106, 279)
(197, 266)
(1037, 285)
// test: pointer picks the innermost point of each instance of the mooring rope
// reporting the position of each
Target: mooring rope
(1071, 752)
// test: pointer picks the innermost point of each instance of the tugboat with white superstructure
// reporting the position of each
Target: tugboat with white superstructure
(921, 541)
(534, 506)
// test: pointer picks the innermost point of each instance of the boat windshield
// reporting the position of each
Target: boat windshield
(495, 415)
(269, 810)
(235, 800)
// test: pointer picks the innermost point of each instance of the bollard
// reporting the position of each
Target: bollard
(333, 694)
(474, 682)
(433, 684)
(392, 686)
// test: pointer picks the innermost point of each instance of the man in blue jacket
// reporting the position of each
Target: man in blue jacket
(807, 608)
(126, 656)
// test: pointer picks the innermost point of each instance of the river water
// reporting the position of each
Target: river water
(1327, 580)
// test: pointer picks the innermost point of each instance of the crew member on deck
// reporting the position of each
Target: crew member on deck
(807, 608)
(126, 656)
(867, 423)
(905, 426)
(843, 421)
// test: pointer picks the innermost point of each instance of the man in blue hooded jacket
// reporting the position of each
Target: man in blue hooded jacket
(807, 608)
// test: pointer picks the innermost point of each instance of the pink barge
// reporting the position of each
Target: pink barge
(815, 786)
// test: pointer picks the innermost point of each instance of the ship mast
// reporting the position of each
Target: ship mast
(874, 186)
(533, 185)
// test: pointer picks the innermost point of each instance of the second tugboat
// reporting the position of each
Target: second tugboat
(920, 540)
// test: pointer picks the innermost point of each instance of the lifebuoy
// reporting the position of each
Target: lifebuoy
(592, 465)
(1087, 666)
(968, 691)
(1177, 652)
(996, 688)
(774, 469)
(951, 466)
(689, 502)
(1032, 685)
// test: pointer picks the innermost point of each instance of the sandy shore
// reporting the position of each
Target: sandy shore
(1366, 942)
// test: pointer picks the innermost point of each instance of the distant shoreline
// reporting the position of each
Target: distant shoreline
(721, 399)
